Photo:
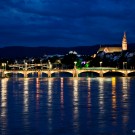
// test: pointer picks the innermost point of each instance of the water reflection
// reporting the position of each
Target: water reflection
(101, 120)
(125, 99)
(75, 92)
(75, 104)
(114, 115)
(49, 96)
(67, 106)
(61, 93)
(37, 92)
(101, 96)
(26, 95)
(50, 83)
(125, 86)
(26, 102)
(3, 110)
(113, 93)
(89, 94)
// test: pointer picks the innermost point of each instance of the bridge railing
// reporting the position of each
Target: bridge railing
(99, 68)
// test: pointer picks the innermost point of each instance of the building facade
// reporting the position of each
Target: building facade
(115, 49)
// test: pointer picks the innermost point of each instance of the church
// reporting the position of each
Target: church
(115, 49)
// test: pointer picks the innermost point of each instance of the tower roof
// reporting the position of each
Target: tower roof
(124, 34)
(124, 42)
(124, 37)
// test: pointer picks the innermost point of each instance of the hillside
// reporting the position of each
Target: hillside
(21, 51)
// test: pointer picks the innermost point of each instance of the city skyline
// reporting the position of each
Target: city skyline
(65, 23)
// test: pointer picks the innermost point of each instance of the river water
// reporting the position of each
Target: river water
(67, 106)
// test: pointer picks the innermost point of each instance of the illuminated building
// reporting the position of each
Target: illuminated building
(115, 49)
(124, 42)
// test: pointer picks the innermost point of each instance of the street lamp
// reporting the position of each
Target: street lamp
(49, 64)
(7, 63)
(75, 64)
(25, 65)
(41, 64)
(101, 64)
(4, 66)
(32, 63)
(124, 65)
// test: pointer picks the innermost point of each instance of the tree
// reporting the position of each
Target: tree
(69, 60)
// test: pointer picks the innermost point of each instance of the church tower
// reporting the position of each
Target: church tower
(124, 42)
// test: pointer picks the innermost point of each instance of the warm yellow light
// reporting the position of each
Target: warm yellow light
(61, 93)
(26, 95)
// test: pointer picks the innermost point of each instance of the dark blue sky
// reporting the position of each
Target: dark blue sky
(66, 22)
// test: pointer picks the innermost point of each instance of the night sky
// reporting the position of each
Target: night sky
(66, 22)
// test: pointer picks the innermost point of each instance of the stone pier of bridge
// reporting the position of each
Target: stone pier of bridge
(125, 73)
(75, 73)
(49, 73)
(101, 73)
(3, 75)
(25, 74)
(39, 74)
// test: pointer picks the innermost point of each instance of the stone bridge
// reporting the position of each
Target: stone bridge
(74, 72)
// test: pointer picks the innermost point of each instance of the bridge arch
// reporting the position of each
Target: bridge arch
(131, 73)
(14, 74)
(88, 74)
(62, 74)
(44, 74)
(115, 73)
(32, 74)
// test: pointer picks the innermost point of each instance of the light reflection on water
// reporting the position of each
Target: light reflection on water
(101, 96)
(75, 105)
(114, 101)
(89, 94)
(67, 106)
(37, 90)
(62, 93)
(50, 101)
(26, 95)
(125, 98)
(50, 84)
(26, 102)
(101, 104)
(3, 108)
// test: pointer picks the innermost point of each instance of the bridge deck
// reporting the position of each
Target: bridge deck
(74, 72)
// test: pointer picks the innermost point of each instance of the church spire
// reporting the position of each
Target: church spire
(124, 42)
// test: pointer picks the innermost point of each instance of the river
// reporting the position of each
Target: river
(67, 106)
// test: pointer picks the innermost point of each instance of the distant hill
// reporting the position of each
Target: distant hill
(21, 51)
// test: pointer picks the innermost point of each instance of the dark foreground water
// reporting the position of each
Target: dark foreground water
(67, 106)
